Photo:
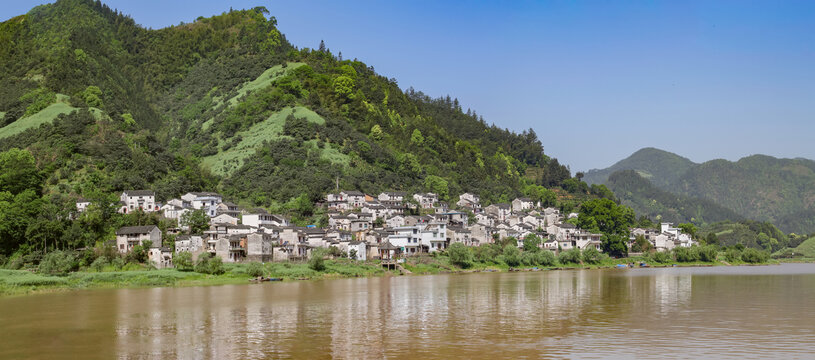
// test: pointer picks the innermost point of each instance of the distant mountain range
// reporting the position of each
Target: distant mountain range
(759, 187)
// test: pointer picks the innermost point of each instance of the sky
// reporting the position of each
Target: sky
(596, 80)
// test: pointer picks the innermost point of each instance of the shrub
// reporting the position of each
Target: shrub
(183, 261)
(87, 257)
(661, 257)
(571, 256)
(118, 263)
(708, 252)
(99, 264)
(548, 258)
(58, 263)
(316, 261)
(684, 254)
(754, 256)
(732, 255)
(255, 269)
(208, 264)
(487, 253)
(460, 255)
(592, 256)
(511, 255)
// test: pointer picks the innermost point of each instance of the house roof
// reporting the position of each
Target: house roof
(139, 192)
(353, 193)
(128, 230)
(395, 193)
(387, 246)
(205, 193)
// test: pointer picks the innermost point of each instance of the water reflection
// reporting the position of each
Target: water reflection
(654, 313)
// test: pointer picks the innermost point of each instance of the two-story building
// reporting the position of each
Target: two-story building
(130, 236)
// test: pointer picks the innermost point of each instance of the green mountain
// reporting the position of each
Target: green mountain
(655, 203)
(226, 103)
(658, 166)
(781, 191)
(759, 187)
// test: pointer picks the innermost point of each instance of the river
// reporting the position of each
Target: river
(712, 312)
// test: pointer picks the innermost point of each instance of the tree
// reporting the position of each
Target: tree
(591, 255)
(437, 184)
(19, 172)
(460, 255)
(416, 138)
(511, 255)
(196, 220)
(605, 216)
(316, 262)
(322, 46)
(614, 245)
(688, 228)
(531, 243)
(546, 197)
(183, 261)
(641, 245)
(376, 133)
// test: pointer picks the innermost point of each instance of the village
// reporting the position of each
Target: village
(388, 227)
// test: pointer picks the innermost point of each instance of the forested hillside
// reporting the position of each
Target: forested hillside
(655, 203)
(660, 167)
(100, 104)
(758, 187)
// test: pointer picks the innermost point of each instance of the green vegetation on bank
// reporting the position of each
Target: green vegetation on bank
(81, 270)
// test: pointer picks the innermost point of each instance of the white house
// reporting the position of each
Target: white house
(434, 236)
(522, 204)
(392, 197)
(133, 200)
(207, 201)
(82, 204)
(260, 218)
(408, 238)
(426, 200)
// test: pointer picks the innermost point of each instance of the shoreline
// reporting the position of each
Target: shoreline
(16, 283)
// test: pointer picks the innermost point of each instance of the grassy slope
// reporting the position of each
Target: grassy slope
(265, 79)
(807, 248)
(225, 162)
(46, 115)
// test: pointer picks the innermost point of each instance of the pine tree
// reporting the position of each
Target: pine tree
(322, 46)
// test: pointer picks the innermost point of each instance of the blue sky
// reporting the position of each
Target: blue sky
(596, 80)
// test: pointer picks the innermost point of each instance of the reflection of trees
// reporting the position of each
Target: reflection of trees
(506, 314)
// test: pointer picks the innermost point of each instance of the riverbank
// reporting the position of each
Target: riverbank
(24, 282)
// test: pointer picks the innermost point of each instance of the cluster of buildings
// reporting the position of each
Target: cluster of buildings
(665, 238)
(363, 227)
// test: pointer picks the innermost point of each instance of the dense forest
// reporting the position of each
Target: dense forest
(92, 103)
(758, 187)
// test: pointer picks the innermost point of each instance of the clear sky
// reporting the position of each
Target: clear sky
(596, 80)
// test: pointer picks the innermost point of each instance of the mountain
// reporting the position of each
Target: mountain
(658, 166)
(101, 104)
(648, 200)
(758, 187)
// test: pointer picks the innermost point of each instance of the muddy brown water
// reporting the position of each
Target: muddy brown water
(715, 312)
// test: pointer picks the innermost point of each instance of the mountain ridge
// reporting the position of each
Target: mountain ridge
(759, 187)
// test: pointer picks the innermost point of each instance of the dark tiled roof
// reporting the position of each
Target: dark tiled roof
(140, 193)
(127, 230)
